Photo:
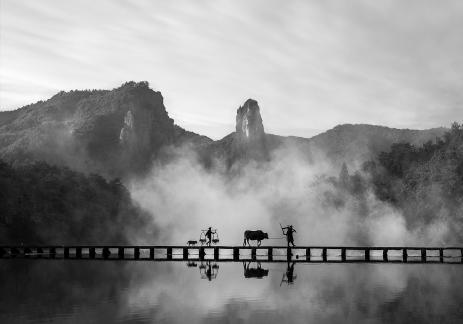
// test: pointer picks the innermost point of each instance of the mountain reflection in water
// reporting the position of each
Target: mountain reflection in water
(71, 291)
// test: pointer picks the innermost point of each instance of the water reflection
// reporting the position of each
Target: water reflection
(72, 291)
(254, 272)
(208, 270)
(289, 276)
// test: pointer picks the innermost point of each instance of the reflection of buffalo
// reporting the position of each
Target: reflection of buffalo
(254, 236)
(258, 272)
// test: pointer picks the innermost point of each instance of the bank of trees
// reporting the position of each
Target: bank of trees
(41, 203)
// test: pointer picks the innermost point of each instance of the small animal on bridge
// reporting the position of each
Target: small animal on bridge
(254, 236)
(192, 242)
(257, 272)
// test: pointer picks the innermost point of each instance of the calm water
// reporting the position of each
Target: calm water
(72, 291)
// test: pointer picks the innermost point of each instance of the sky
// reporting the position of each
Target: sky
(310, 64)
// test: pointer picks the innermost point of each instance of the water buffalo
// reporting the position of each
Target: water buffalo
(258, 272)
(254, 236)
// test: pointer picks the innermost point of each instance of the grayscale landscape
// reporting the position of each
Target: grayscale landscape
(140, 141)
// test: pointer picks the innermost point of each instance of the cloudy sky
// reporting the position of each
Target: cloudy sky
(309, 64)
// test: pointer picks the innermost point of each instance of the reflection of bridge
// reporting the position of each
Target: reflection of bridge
(239, 253)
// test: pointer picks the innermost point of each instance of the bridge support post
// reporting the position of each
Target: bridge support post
(66, 252)
(253, 254)
(121, 253)
(136, 253)
(91, 253)
(289, 254)
(106, 252)
(324, 254)
(404, 255)
(185, 253)
(343, 254)
(441, 255)
(216, 254)
(151, 253)
(461, 255)
(169, 253)
(236, 254)
(270, 254)
(51, 252)
(423, 255)
(385, 259)
(307, 254)
(367, 254)
(201, 253)
(78, 252)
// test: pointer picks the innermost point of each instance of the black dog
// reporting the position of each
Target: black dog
(190, 243)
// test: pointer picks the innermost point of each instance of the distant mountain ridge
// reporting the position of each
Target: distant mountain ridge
(115, 133)
(120, 132)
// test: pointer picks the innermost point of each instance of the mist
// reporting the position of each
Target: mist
(184, 197)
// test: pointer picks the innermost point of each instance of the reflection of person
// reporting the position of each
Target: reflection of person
(289, 234)
(290, 273)
(209, 271)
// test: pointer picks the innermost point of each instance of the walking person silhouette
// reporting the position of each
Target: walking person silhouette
(289, 234)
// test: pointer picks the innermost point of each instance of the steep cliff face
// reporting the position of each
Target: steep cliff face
(248, 143)
(249, 127)
(115, 133)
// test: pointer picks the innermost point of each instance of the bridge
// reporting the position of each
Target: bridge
(239, 253)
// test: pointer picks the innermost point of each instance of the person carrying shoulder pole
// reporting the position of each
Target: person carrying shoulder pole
(209, 235)
(289, 234)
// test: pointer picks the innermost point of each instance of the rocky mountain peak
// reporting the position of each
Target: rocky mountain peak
(249, 125)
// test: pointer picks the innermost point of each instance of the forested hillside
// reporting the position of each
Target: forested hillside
(40, 203)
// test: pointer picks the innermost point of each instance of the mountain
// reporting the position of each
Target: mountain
(120, 132)
(348, 143)
(116, 133)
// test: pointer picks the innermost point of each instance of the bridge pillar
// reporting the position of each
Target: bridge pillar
(2, 252)
(385, 259)
(216, 253)
(343, 254)
(270, 254)
(151, 253)
(185, 253)
(423, 255)
(236, 254)
(121, 253)
(461, 255)
(201, 253)
(51, 252)
(367, 254)
(288, 254)
(307, 254)
(253, 254)
(91, 253)
(324, 254)
(136, 253)
(404, 255)
(78, 252)
(441, 255)
(106, 252)
(169, 253)
(66, 252)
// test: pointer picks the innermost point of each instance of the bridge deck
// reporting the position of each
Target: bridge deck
(239, 253)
